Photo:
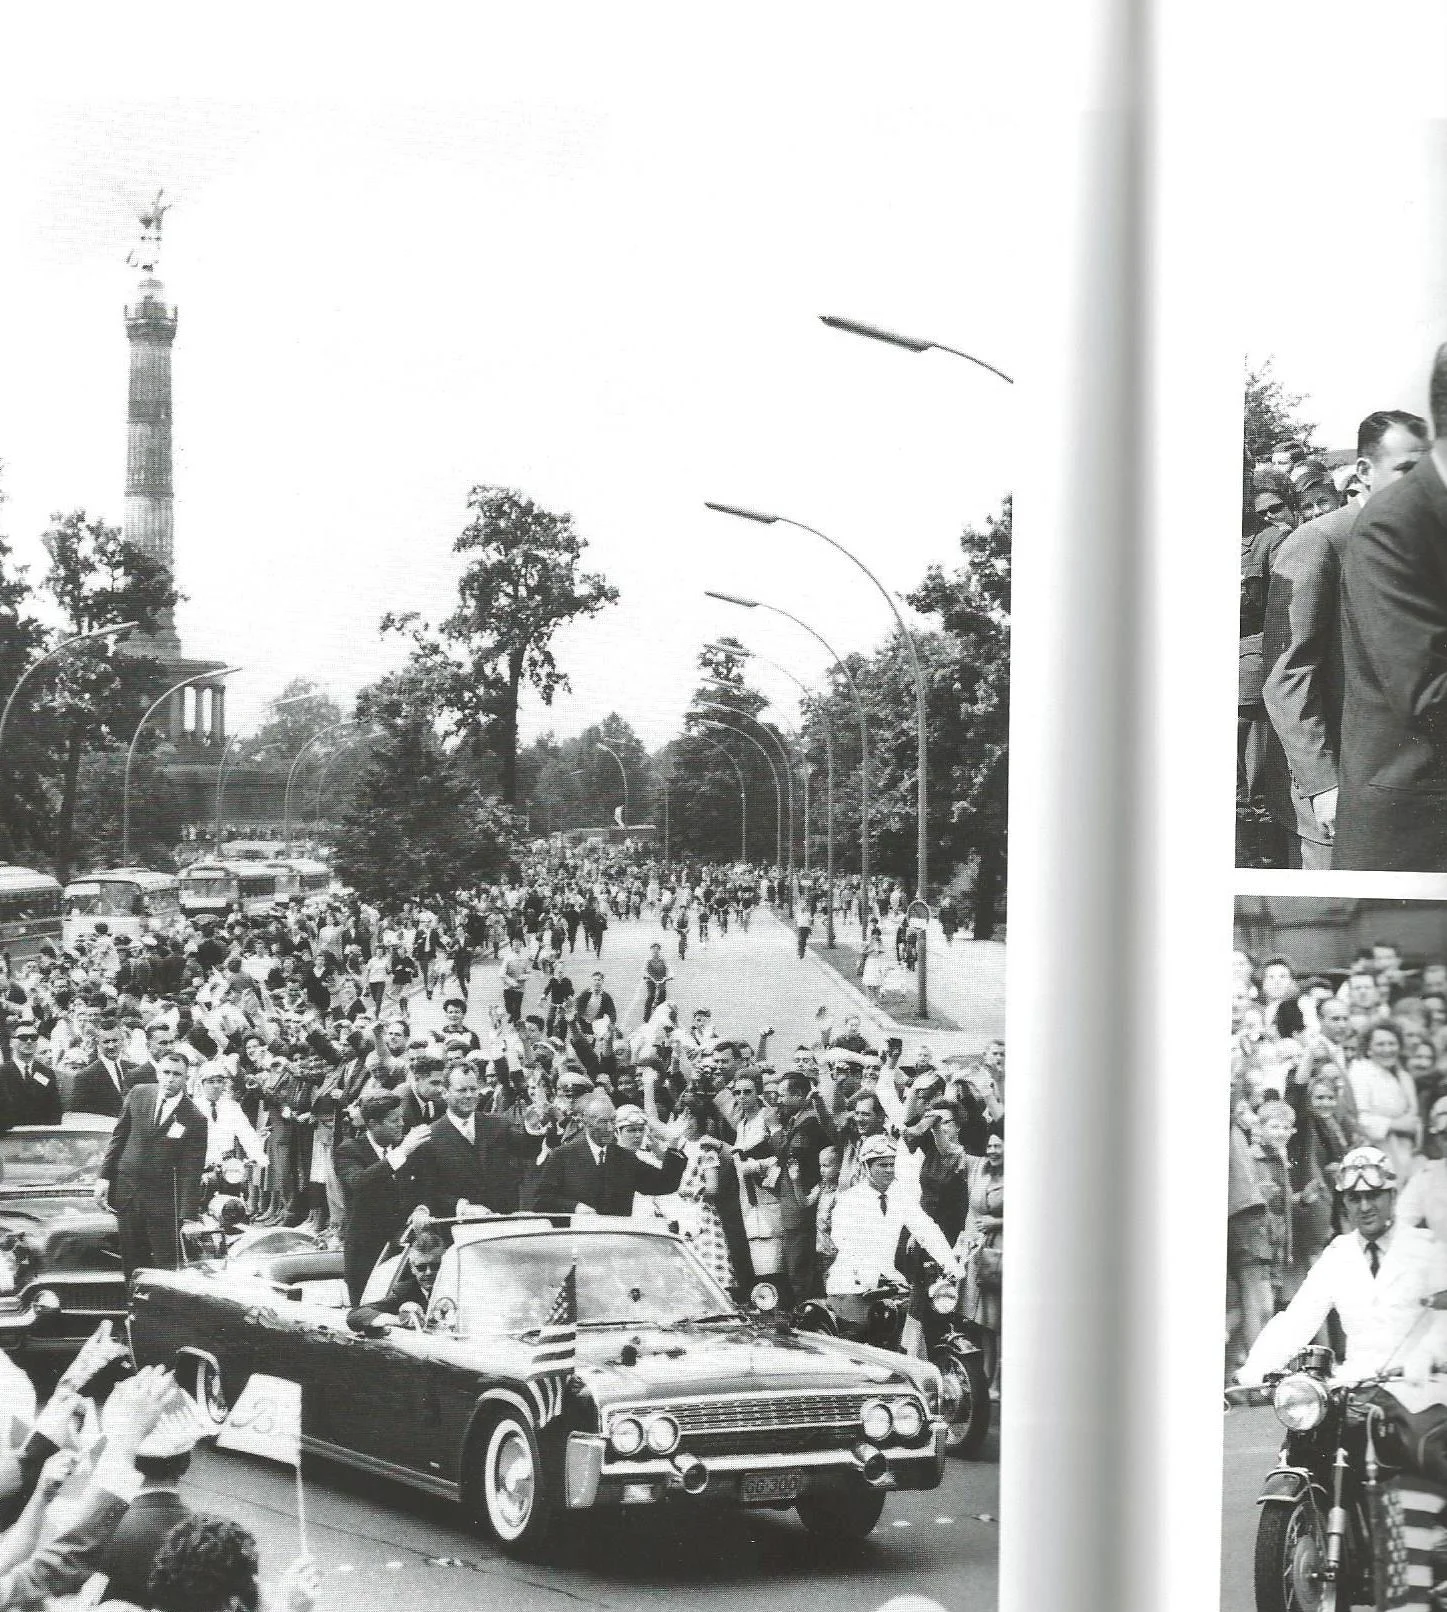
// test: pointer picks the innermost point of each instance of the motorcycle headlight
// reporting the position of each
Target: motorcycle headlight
(626, 1435)
(876, 1421)
(908, 1418)
(1299, 1403)
(663, 1435)
(944, 1296)
(764, 1297)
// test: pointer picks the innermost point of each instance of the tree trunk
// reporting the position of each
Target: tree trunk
(507, 748)
(65, 828)
(987, 892)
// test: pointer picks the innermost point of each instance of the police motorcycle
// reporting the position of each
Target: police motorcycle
(878, 1317)
(225, 1213)
(1330, 1534)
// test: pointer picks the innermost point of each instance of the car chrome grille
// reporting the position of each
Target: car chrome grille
(769, 1413)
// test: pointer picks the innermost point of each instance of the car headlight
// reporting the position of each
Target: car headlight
(663, 1435)
(45, 1301)
(908, 1418)
(876, 1421)
(944, 1296)
(626, 1435)
(1299, 1403)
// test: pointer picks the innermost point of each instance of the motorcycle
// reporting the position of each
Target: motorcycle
(878, 1317)
(224, 1217)
(1329, 1535)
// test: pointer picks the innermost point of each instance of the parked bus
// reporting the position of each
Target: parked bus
(29, 912)
(288, 880)
(129, 901)
(316, 877)
(223, 887)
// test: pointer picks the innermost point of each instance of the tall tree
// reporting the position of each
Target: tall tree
(523, 582)
(301, 711)
(417, 822)
(1270, 413)
(96, 577)
(25, 811)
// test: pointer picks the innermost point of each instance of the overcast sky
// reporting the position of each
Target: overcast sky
(600, 288)
(1346, 277)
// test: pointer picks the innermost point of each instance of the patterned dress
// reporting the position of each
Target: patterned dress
(699, 1221)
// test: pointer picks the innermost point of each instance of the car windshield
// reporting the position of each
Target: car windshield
(508, 1286)
(208, 884)
(50, 1158)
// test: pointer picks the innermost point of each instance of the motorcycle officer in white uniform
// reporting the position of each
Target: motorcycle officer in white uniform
(1379, 1277)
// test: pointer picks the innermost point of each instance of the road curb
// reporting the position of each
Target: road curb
(863, 1006)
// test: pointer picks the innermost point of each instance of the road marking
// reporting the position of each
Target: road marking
(943, 1522)
(902, 1522)
(345, 1567)
(393, 1567)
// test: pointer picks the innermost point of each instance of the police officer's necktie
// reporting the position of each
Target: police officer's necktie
(884, 1206)
(1374, 1258)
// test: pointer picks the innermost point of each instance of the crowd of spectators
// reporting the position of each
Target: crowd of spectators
(1320, 1065)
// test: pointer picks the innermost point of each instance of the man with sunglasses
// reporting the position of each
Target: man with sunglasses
(29, 1092)
(1378, 1277)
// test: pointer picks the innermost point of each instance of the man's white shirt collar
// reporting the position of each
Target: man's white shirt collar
(468, 1126)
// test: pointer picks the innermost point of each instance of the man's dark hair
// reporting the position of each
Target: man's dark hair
(378, 1106)
(428, 1064)
(204, 1563)
(164, 1468)
(1376, 425)
(173, 1055)
(796, 1083)
(1437, 392)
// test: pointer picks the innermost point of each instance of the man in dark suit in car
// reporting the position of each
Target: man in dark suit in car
(151, 1173)
(599, 1173)
(470, 1156)
(374, 1172)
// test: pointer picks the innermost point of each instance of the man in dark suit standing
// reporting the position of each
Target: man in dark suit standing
(422, 1102)
(29, 1094)
(373, 1170)
(1301, 647)
(597, 1175)
(470, 1156)
(151, 1174)
(101, 1087)
(1392, 808)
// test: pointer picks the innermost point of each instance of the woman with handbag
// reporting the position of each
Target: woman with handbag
(984, 1225)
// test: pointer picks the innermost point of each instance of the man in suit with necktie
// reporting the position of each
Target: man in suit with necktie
(597, 1175)
(101, 1087)
(29, 1093)
(470, 1156)
(422, 1102)
(151, 1173)
(373, 1170)
(1392, 806)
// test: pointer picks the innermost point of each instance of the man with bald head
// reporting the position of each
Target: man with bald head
(595, 1174)
(1392, 809)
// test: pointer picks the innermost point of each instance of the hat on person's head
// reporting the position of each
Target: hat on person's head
(876, 1147)
(629, 1114)
(574, 1080)
(1365, 1169)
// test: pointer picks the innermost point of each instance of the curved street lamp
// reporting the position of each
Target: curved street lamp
(724, 750)
(175, 688)
(921, 730)
(598, 744)
(754, 654)
(758, 745)
(326, 767)
(66, 643)
(732, 710)
(745, 603)
(911, 344)
(321, 733)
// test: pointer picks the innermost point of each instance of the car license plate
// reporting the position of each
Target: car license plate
(771, 1486)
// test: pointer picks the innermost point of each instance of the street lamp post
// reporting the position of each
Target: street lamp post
(321, 733)
(745, 603)
(723, 750)
(151, 710)
(717, 705)
(66, 643)
(921, 728)
(326, 767)
(911, 344)
(622, 770)
(753, 654)
(758, 745)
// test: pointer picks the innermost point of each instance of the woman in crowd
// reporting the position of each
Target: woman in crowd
(985, 1218)
(1386, 1099)
(872, 963)
(703, 1188)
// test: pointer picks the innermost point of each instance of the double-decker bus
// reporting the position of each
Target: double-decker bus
(128, 901)
(29, 912)
(224, 887)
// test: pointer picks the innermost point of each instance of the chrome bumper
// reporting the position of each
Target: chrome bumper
(585, 1473)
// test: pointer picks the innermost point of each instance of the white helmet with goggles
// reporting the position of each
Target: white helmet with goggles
(1366, 1169)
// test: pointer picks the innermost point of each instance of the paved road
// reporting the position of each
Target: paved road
(382, 1546)
(1252, 1440)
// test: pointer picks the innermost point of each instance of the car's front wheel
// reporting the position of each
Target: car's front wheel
(512, 1487)
(841, 1516)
